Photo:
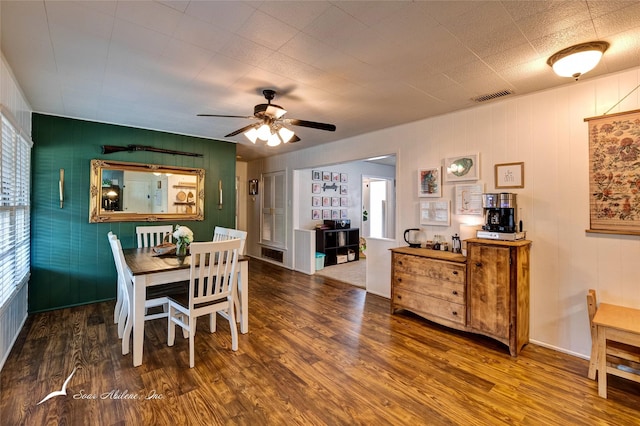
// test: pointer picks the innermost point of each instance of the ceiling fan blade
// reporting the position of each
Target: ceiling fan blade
(312, 124)
(226, 116)
(237, 132)
(294, 139)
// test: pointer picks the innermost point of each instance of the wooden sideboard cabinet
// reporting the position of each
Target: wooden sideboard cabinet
(498, 286)
(486, 292)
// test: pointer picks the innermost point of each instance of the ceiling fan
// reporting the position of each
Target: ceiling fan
(271, 125)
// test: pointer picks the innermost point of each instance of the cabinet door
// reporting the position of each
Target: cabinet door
(488, 288)
(273, 220)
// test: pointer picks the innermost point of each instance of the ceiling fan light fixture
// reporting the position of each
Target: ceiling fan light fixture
(252, 134)
(264, 132)
(274, 140)
(285, 134)
(577, 60)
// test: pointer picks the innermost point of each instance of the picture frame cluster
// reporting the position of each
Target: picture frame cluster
(329, 195)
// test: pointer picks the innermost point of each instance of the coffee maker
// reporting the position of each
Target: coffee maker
(500, 217)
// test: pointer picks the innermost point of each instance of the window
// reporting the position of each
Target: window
(15, 166)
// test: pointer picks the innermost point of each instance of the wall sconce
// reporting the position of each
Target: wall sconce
(577, 60)
(253, 188)
(220, 194)
(61, 187)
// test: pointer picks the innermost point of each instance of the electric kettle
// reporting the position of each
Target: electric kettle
(414, 237)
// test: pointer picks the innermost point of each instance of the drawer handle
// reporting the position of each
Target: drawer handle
(399, 297)
(455, 293)
(455, 272)
(478, 264)
(454, 313)
(399, 280)
(400, 262)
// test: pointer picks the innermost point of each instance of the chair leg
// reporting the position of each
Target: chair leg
(171, 327)
(212, 322)
(234, 329)
(593, 361)
(192, 332)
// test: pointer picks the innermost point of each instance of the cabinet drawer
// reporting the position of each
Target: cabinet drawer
(427, 286)
(421, 267)
(430, 306)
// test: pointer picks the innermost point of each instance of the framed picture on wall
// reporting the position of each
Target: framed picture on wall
(335, 177)
(316, 188)
(344, 189)
(326, 176)
(344, 201)
(435, 213)
(469, 199)
(326, 201)
(344, 214)
(335, 214)
(326, 214)
(509, 175)
(430, 182)
(462, 168)
(316, 175)
(344, 177)
(316, 214)
(316, 201)
(335, 201)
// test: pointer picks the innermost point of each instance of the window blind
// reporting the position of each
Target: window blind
(15, 220)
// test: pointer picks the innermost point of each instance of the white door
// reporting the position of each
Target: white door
(273, 220)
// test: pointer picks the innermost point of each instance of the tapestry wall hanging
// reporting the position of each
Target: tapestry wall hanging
(614, 173)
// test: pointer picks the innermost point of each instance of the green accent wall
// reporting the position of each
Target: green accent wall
(71, 262)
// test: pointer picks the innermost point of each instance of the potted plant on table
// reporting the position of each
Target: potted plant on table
(184, 237)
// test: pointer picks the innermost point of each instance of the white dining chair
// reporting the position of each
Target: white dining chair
(125, 281)
(122, 298)
(221, 233)
(150, 236)
(212, 289)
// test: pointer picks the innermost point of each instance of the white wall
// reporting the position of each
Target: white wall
(545, 130)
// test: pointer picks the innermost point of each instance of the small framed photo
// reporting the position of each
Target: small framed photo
(316, 201)
(344, 189)
(344, 201)
(326, 201)
(326, 214)
(316, 188)
(335, 177)
(430, 182)
(344, 177)
(335, 214)
(344, 214)
(435, 213)
(509, 175)
(335, 201)
(326, 176)
(316, 175)
(316, 214)
(462, 168)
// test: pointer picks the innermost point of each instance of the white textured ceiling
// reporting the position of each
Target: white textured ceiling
(361, 65)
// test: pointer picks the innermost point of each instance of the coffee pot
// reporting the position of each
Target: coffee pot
(414, 237)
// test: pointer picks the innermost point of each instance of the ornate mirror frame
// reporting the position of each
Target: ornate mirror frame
(97, 214)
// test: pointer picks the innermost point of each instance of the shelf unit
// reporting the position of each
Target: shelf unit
(337, 243)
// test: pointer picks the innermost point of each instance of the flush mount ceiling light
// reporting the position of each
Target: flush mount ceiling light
(577, 60)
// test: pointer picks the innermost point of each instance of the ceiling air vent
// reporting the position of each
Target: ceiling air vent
(490, 96)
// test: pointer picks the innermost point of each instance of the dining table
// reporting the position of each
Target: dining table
(148, 269)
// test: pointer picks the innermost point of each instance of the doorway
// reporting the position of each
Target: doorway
(378, 207)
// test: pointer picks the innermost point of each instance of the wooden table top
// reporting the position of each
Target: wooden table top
(618, 317)
(141, 261)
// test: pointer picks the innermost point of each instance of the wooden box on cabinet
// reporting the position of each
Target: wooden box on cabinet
(498, 290)
(429, 283)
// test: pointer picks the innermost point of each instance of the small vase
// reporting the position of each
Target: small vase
(181, 249)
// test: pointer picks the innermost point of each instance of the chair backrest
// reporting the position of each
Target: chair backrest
(217, 279)
(592, 307)
(150, 236)
(222, 234)
(118, 257)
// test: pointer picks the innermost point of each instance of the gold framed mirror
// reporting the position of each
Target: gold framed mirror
(136, 192)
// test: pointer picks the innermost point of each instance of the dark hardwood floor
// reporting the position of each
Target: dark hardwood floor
(318, 352)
